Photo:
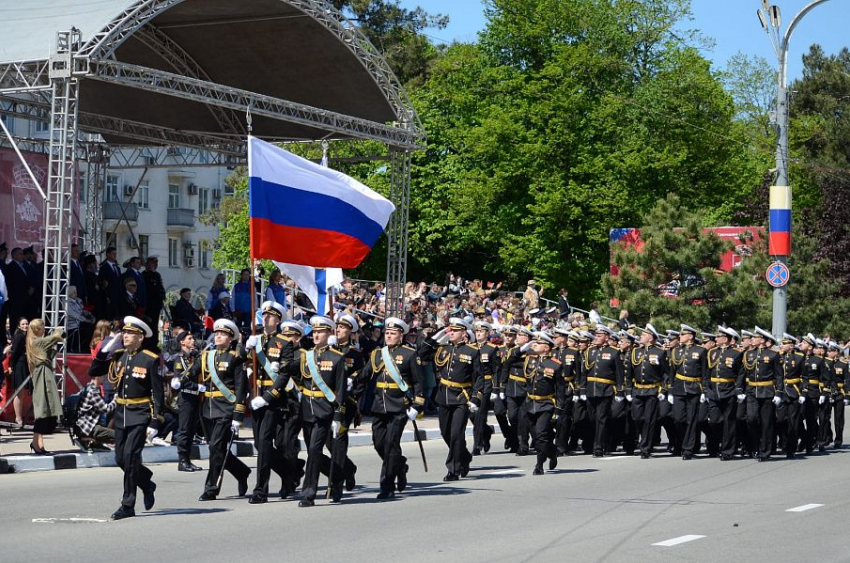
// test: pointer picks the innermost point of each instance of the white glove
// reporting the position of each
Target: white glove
(202, 388)
(741, 398)
(618, 398)
(151, 432)
(494, 396)
(629, 398)
(583, 397)
(335, 425)
(524, 348)
(661, 396)
(252, 341)
(801, 399)
(332, 341)
(258, 402)
(349, 385)
(175, 383)
(275, 367)
(575, 398)
(821, 399)
(846, 402)
(412, 413)
(473, 408)
(439, 334)
(249, 372)
(297, 394)
(502, 395)
(777, 400)
(702, 398)
(234, 426)
(670, 399)
(112, 344)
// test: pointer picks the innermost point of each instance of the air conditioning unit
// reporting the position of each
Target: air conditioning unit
(128, 189)
(188, 255)
(193, 189)
(216, 193)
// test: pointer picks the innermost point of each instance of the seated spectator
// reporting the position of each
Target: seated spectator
(216, 289)
(92, 408)
(128, 304)
(184, 314)
(222, 308)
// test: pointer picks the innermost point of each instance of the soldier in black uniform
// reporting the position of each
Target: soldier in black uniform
(570, 358)
(582, 425)
(814, 409)
(489, 368)
(188, 401)
(764, 393)
(748, 359)
(134, 374)
(459, 392)
(645, 372)
(724, 388)
(688, 368)
(347, 328)
(221, 371)
(665, 407)
(621, 428)
(273, 353)
(600, 382)
(829, 389)
(840, 374)
(514, 384)
(498, 397)
(792, 391)
(396, 381)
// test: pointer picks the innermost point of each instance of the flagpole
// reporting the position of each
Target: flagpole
(248, 120)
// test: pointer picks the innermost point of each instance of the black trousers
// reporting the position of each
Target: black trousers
(129, 443)
(760, 413)
(810, 414)
(453, 430)
(187, 424)
(481, 431)
(266, 428)
(516, 412)
(599, 409)
(645, 416)
(747, 448)
(722, 416)
(540, 426)
(666, 422)
(793, 424)
(316, 436)
(508, 431)
(838, 418)
(218, 434)
(685, 411)
(621, 428)
(386, 438)
(289, 445)
(582, 427)
(563, 428)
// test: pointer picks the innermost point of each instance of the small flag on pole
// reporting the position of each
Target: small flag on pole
(304, 213)
(316, 283)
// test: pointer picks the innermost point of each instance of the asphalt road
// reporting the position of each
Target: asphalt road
(613, 509)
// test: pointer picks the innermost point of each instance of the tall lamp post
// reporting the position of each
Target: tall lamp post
(780, 192)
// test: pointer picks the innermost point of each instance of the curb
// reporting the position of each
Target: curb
(168, 454)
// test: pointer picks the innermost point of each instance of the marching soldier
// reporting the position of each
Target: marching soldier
(748, 359)
(489, 368)
(763, 392)
(794, 398)
(134, 373)
(396, 370)
(645, 375)
(688, 367)
(665, 408)
(829, 388)
(582, 426)
(458, 370)
(514, 384)
(570, 358)
(189, 404)
(497, 397)
(545, 398)
(621, 427)
(724, 385)
(601, 381)
(273, 352)
(346, 333)
(814, 377)
(840, 374)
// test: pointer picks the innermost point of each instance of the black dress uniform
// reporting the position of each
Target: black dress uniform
(219, 408)
(353, 358)
(514, 384)
(688, 368)
(601, 380)
(646, 369)
(269, 421)
(838, 384)
(481, 431)
(825, 411)
(570, 359)
(139, 396)
(814, 377)
(792, 386)
(188, 414)
(500, 409)
(723, 383)
(389, 410)
(545, 400)
(764, 380)
(459, 383)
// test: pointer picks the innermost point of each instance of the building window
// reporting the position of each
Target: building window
(203, 200)
(203, 157)
(205, 251)
(42, 126)
(143, 195)
(144, 246)
(10, 123)
(173, 252)
(113, 182)
(173, 196)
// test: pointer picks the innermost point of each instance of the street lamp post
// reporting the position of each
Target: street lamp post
(780, 192)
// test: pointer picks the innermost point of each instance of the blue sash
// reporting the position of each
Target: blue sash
(392, 369)
(264, 362)
(314, 373)
(227, 393)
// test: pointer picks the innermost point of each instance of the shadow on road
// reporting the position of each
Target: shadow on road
(182, 511)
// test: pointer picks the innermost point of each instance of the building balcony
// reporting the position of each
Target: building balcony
(180, 219)
(112, 211)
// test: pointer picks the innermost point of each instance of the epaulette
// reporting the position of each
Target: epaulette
(337, 352)
(151, 354)
(233, 353)
(473, 345)
(406, 347)
(799, 354)
(556, 360)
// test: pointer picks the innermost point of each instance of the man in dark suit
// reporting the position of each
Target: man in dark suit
(78, 276)
(133, 269)
(18, 284)
(35, 274)
(109, 277)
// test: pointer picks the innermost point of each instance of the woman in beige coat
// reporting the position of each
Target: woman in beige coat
(45, 396)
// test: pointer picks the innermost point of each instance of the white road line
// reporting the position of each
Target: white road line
(73, 520)
(677, 541)
(804, 508)
(505, 472)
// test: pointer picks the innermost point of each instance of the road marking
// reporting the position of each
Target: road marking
(677, 541)
(69, 520)
(506, 472)
(804, 508)
(610, 457)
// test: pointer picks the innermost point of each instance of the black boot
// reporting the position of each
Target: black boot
(123, 512)
(350, 483)
(149, 498)
(401, 479)
(184, 465)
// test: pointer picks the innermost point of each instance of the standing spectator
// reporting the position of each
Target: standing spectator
(155, 295)
(77, 274)
(101, 331)
(594, 313)
(624, 320)
(133, 269)
(216, 289)
(40, 351)
(185, 315)
(531, 296)
(18, 283)
(128, 306)
(35, 275)
(563, 302)
(80, 322)
(242, 298)
(18, 363)
(96, 297)
(109, 277)
(276, 291)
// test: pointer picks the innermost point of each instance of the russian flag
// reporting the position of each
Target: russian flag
(304, 213)
(780, 221)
